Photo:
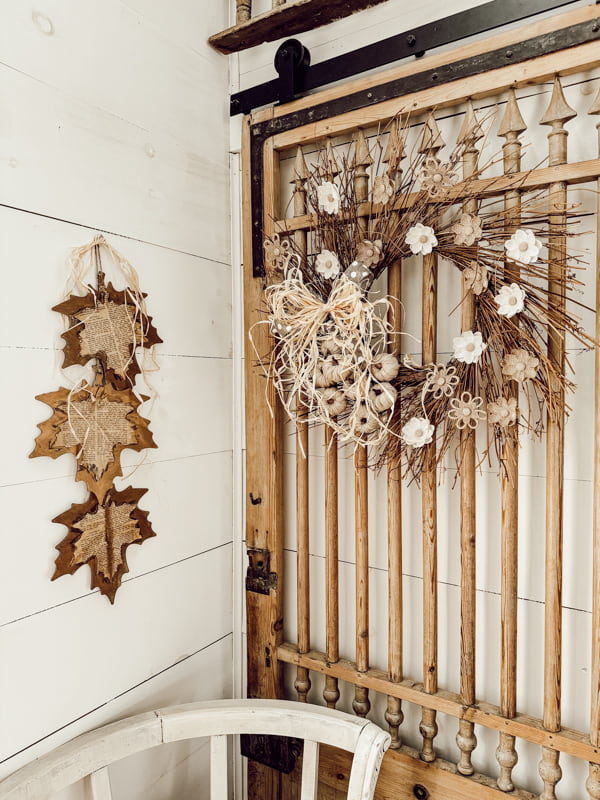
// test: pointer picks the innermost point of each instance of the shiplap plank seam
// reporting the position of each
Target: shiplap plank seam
(118, 696)
(128, 579)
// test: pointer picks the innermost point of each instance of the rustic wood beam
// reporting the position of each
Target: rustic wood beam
(523, 726)
(580, 172)
(285, 20)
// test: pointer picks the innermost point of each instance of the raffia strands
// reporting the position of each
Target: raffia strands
(302, 323)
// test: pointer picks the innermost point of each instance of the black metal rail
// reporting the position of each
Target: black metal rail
(519, 52)
(297, 77)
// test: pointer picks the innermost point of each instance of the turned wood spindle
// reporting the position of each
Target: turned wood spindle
(302, 683)
(361, 703)
(593, 782)
(557, 113)
(431, 143)
(331, 692)
(470, 133)
(394, 716)
(511, 128)
(243, 11)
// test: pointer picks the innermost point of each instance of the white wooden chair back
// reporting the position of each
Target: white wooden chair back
(89, 756)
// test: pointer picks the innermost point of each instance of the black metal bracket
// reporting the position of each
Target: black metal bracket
(517, 53)
(277, 752)
(259, 577)
(297, 77)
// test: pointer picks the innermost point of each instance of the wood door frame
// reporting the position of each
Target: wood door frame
(334, 111)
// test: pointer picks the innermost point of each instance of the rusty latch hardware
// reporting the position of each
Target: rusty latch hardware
(277, 752)
(259, 577)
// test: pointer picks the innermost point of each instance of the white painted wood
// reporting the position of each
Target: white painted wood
(101, 747)
(145, 186)
(310, 770)
(219, 767)
(116, 117)
(162, 619)
(98, 785)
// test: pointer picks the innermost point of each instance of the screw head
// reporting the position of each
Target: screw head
(411, 40)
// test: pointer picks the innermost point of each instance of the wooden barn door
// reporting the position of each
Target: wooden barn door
(336, 612)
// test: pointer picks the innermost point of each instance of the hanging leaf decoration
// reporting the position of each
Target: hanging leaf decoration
(107, 325)
(99, 535)
(95, 424)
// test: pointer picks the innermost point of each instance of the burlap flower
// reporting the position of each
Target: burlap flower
(503, 411)
(519, 365)
(467, 230)
(436, 177)
(276, 253)
(382, 189)
(441, 381)
(465, 411)
(476, 277)
(369, 253)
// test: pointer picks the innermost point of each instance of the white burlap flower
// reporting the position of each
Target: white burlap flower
(510, 300)
(468, 347)
(421, 239)
(327, 264)
(328, 197)
(519, 365)
(417, 432)
(503, 411)
(523, 246)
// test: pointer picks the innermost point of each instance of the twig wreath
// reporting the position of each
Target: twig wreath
(331, 340)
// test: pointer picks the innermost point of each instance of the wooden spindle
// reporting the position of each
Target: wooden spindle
(511, 127)
(243, 11)
(393, 715)
(556, 115)
(331, 692)
(302, 683)
(432, 142)
(593, 781)
(361, 704)
(328, 166)
(466, 740)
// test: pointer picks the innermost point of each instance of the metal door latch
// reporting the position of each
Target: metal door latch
(259, 577)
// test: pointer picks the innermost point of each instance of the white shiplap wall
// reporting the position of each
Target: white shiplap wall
(364, 28)
(114, 117)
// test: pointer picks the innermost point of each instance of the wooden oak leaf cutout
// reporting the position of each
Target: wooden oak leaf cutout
(99, 535)
(95, 424)
(107, 326)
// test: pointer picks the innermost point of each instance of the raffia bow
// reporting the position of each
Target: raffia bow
(301, 322)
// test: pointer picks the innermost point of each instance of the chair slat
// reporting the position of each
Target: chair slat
(97, 785)
(218, 767)
(310, 770)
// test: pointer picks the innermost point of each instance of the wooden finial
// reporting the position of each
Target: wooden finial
(395, 150)
(362, 155)
(512, 121)
(300, 169)
(558, 109)
(471, 130)
(595, 107)
(432, 140)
